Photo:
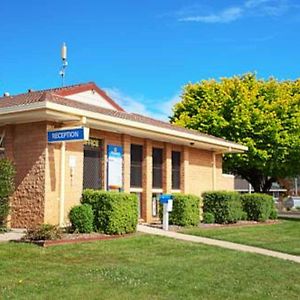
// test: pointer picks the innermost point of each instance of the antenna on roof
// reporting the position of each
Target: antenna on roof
(62, 72)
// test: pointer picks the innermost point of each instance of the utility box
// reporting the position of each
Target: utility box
(167, 202)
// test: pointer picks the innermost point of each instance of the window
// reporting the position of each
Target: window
(157, 162)
(175, 170)
(155, 204)
(136, 156)
(92, 164)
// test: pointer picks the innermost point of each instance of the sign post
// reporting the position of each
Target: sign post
(167, 202)
(62, 136)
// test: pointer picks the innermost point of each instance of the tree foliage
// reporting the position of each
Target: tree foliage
(7, 174)
(263, 115)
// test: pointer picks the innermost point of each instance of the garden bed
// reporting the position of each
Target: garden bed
(74, 238)
(238, 224)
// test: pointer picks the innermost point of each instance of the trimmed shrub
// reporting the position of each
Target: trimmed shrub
(114, 212)
(225, 206)
(7, 174)
(186, 210)
(208, 218)
(82, 218)
(258, 206)
(43, 232)
(273, 214)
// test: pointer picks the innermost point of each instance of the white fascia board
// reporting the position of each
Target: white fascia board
(232, 147)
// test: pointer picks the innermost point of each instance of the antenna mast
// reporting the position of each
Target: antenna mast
(62, 72)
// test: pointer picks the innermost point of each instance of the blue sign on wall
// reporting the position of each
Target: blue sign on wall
(72, 134)
(164, 198)
(114, 166)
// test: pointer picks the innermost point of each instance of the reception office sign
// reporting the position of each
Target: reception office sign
(114, 167)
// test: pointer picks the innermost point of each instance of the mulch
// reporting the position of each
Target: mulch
(74, 238)
(239, 224)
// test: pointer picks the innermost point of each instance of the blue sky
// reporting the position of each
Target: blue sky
(143, 52)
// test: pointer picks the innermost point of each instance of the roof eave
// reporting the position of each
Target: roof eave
(114, 123)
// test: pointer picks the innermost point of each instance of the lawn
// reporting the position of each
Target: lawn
(143, 267)
(284, 237)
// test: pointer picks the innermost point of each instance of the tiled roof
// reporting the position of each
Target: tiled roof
(32, 96)
(56, 95)
(22, 99)
(127, 116)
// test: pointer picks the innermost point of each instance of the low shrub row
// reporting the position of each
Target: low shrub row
(186, 210)
(230, 207)
(113, 212)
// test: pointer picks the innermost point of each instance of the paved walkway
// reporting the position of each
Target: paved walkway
(218, 243)
(14, 234)
(289, 215)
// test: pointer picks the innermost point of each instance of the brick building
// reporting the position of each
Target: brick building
(156, 157)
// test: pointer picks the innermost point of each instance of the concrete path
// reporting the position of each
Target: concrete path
(289, 215)
(218, 243)
(14, 234)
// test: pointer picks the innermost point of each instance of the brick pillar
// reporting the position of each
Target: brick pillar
(126, 162)
(147, 182)
(167, 169)
(184, 177)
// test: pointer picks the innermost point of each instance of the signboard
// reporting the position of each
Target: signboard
(68, 135)
(114, 167)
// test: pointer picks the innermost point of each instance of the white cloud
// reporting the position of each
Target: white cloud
(225, 16)
(257, 8)
(155, 109)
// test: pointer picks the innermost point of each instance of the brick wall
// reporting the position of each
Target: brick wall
(26, 144)
(73, 180)
(37, 196)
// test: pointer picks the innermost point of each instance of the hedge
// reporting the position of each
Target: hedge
(82, 218)
(114, 212)
(7, 174)
(225, 206)
(259, 207)
(208, 218)
(186, 210)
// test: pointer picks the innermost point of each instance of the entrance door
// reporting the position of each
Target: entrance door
(92, 166)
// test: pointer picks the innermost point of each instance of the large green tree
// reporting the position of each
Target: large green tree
(263, 115)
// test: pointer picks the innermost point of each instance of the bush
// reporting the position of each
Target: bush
(186, 210)
(114, 212)
(225, 206)
(258, 206)
(82, 218)
(43, 232)
(7, 174)
(208, 218)
(273, 214)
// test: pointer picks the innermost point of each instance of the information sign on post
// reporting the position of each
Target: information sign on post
(167, 202)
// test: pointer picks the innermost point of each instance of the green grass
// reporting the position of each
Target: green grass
(143, 267)
(283, 237)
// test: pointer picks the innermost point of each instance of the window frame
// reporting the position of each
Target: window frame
(176, 170)
(136, 167)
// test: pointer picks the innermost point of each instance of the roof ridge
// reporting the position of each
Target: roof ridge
(66, 87)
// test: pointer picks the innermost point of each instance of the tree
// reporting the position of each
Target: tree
(263, 115)
(7, 175)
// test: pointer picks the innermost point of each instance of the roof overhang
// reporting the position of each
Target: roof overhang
(49, 111)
